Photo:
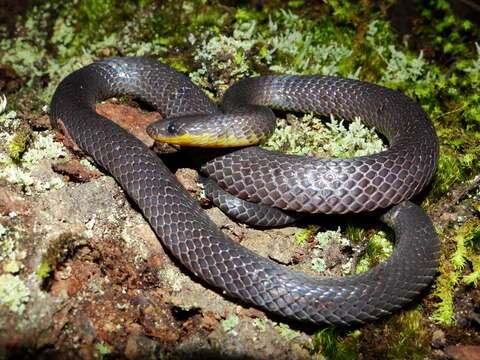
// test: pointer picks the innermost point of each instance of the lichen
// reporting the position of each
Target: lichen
(283, 329)
(26, 149)
(172, 278)
(8, 120)
(310, 135)
(318, 265)
(14, 294)
(43, 146)
(230, 323)
(12, 266)
(324, 238)
(7, 243)
(280, 44)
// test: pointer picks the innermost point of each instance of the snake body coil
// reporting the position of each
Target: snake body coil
(300, 184)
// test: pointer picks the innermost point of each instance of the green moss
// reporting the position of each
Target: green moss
(43, 146)
(445, 286)
(24, 151)
(44, 270)
(378, 249)
(337, 344)
(58, 251)
(103, 349)
(449, 96)
(302, 236)
(410, 338)
(403, 336)
(355, 233)
(443, 30)
(453, 168)
(461, 267)
(19, 143)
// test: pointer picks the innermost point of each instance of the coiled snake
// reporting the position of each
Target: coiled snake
(292, 183)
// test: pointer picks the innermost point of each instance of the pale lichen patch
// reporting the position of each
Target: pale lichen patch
(14, 294)
(312, 136)
(24, 170)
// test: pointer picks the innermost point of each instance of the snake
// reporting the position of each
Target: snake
(386, 180)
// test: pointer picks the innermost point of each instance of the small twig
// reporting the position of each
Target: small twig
(451, 112)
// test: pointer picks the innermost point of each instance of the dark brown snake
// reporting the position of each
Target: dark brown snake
(295, 183)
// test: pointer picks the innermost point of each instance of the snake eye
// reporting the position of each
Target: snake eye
(171, 129)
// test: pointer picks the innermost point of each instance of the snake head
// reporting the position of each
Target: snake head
(202, 131)
(187, 130)
(169, 131)
(245, 126)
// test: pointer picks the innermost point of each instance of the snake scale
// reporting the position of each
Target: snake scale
(292, 183)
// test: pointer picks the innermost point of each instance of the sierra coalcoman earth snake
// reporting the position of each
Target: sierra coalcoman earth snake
(290, 182)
